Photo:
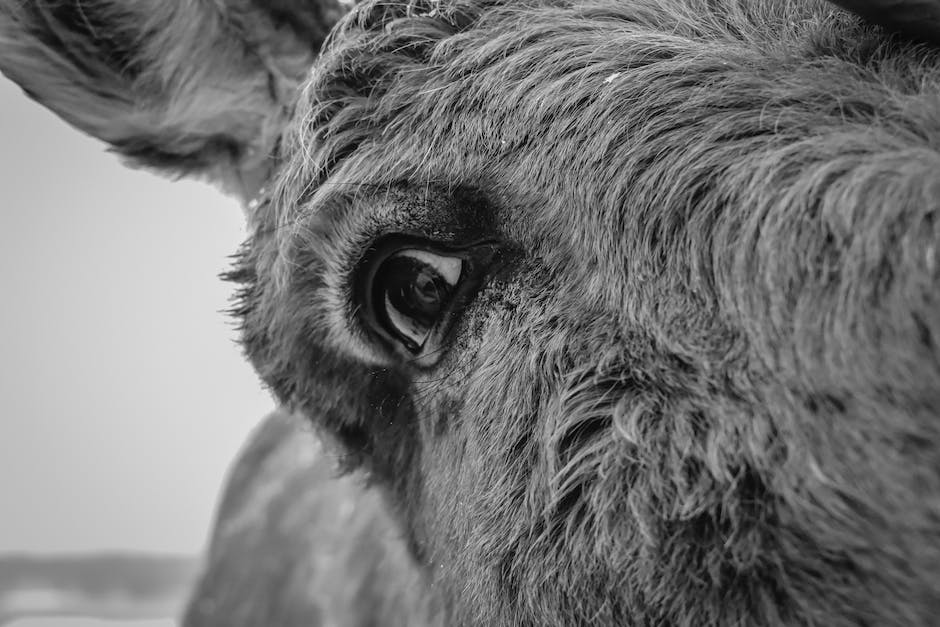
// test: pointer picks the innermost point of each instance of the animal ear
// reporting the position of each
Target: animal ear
(918, 20)
(189, 88)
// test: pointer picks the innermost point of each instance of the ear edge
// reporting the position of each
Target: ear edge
(186, 89)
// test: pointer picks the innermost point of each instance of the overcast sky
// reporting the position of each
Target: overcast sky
(122, 394)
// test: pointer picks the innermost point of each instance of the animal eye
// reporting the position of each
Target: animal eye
(412, 289)
(410, 293)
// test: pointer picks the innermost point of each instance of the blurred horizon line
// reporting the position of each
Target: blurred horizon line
(129, 585)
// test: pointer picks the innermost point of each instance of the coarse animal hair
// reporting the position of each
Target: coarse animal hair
(699, 382)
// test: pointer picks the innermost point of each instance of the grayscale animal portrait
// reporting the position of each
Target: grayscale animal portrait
(579, 312)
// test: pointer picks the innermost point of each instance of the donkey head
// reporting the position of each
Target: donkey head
(630, 308)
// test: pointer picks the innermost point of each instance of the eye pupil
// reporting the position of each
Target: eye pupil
(427, 296)
(415, 293)
(416, 290)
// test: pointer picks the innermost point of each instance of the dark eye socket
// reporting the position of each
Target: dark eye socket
(410, 291)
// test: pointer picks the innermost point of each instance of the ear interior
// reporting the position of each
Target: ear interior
(187, 88)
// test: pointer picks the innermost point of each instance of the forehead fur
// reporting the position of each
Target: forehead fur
(701, 125)
(704, 126)
(521, 96)
(639, 110)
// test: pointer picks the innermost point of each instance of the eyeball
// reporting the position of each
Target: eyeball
(413, 289)
(410, 292)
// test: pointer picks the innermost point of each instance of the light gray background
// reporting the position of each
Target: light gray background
(123, 396)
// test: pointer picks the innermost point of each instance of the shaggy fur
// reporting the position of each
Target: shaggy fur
(702, 385)
(706, 390)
